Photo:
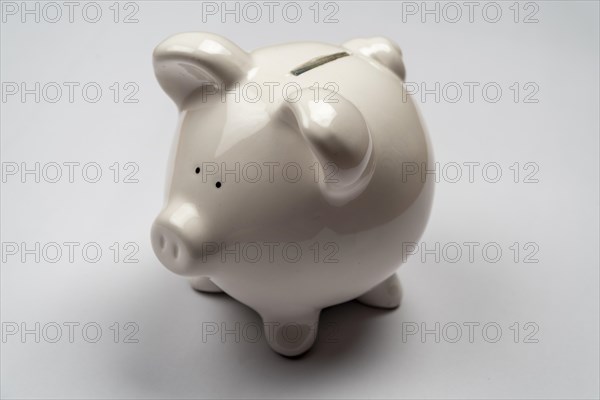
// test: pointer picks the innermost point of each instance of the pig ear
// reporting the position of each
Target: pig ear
(187, 61)
(382, 50)
(339, 137)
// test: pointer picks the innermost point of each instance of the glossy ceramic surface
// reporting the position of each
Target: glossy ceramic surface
(288, 185)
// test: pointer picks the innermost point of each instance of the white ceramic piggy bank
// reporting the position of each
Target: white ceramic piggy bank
(292, 183)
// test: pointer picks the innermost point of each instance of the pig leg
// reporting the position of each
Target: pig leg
(204, 284)
(387, 294)
(291, 333)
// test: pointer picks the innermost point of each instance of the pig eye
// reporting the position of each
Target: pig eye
(218, 184)
(197, 170)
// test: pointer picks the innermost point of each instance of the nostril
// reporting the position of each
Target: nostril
(161, 242)
(175, 250)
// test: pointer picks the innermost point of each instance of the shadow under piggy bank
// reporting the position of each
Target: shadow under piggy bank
(345, 331)
(177, 356)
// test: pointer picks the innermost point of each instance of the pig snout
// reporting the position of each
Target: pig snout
(177, 236)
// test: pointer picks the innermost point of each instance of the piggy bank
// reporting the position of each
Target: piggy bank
(295, 179)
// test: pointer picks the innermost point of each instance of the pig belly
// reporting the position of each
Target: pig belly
(334, 268)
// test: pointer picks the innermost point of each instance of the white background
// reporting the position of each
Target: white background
(361, 351)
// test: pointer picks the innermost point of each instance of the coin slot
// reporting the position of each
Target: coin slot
(318, 61)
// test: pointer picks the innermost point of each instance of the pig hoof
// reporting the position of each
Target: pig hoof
(204, 284)
(291, 337)
(387, 294)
